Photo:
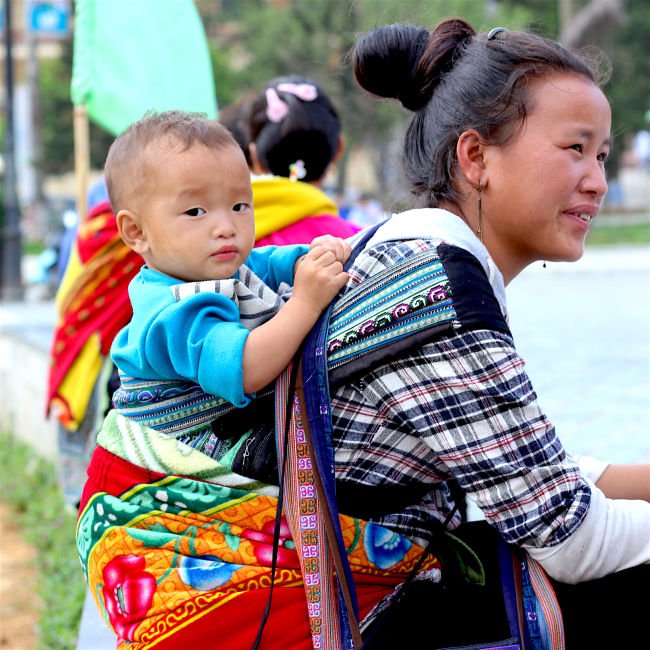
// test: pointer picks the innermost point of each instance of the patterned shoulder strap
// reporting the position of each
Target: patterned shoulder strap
(315, 394)
(402, 305)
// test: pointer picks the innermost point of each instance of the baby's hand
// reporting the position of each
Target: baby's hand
(336, 245)
(320, 276)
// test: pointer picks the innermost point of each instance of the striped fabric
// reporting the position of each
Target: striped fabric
(256, 301)
(390, 306)
(547, 614)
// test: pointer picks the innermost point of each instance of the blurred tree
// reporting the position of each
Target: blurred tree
(267, 39)
(254, 40)
(629, 87)
(621, 28)
(56, 121)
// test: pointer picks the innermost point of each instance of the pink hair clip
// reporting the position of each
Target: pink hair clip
(306, 92)
(276, 109)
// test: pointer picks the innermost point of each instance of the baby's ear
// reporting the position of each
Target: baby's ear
(131, 232)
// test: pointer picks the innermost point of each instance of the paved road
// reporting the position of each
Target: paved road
(584, 331)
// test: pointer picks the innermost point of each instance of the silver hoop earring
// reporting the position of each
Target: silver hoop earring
(479, 230)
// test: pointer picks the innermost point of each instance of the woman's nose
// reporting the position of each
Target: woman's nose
(595, 181)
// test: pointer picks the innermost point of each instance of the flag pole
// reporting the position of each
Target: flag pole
(81, 158)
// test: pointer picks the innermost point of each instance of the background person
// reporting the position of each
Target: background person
(295, 137)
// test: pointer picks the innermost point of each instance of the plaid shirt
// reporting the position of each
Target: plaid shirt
(460, 406)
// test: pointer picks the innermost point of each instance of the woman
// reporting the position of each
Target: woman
(505, 157)
(295, 137)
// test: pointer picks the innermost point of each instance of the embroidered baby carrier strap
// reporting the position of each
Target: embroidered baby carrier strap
(309, 523)
(169, 406)
(398, 308)
(402, 307)
(256, 301)
(308, 487)
(544, 628)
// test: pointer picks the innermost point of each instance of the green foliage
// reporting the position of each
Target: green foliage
(225, 78)
(315, 39)
(629, 87)
(627, 47)
(57, 131)
(632, 233)
(252, 41)
(261, 40)
(29, 484)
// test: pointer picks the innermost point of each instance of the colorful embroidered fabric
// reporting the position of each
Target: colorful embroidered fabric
(173, 558)
(411, 297)
(181, 408)
(93, 305)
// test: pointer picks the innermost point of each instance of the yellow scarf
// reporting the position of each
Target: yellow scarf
(279, 202)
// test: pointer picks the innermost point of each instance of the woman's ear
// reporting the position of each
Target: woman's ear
(131, 231)
(256, 166)
(469, 150)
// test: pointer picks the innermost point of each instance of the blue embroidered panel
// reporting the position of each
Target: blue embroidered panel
(396, 303)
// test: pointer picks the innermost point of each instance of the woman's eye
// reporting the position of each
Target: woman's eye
(240, 207)
(577, 147)
(602, 157)
(195, 212)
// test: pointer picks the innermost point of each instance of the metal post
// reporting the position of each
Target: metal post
(11, 285)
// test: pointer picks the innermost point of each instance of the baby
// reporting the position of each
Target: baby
(181, 191)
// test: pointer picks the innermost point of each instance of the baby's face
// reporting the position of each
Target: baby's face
(197, 214)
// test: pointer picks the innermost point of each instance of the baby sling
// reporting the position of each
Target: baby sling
(303, 415)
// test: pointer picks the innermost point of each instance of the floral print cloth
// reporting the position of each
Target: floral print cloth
(173, 559)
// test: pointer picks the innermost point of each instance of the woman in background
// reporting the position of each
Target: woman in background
(295, 137)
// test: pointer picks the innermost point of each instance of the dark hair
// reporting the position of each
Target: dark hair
(309, 131)
(127, 164)
(454, 79)
(236, 117)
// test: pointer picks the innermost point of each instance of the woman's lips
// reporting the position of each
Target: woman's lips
(584, 214)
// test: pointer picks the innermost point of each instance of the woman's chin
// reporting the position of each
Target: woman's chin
(571, 253)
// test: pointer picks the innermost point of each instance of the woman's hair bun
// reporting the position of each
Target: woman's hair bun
(385, 59)
(406, 62)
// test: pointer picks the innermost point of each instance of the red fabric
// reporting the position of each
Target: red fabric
(287, 627)
(238, 620)
(98, 300)
(111, 474)
(303, 231)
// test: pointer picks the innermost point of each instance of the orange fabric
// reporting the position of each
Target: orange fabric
(171, 560)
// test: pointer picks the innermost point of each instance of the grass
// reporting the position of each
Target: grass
(33, 247)
(631, 233)
(30, 486)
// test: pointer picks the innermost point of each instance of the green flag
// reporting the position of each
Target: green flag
(131, 56)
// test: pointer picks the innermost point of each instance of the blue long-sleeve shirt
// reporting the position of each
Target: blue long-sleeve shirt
(199, 338)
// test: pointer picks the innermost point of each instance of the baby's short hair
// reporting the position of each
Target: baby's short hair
(126, 162)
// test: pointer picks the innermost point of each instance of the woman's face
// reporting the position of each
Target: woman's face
(544, 187)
